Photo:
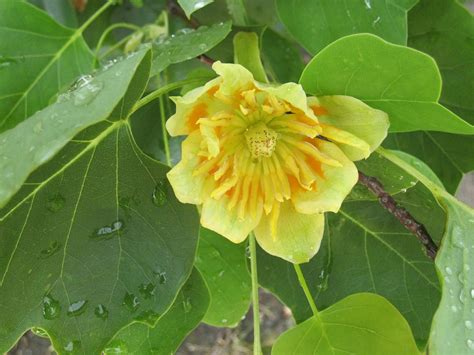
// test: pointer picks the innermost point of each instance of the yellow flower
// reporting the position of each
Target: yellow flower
(268, 159)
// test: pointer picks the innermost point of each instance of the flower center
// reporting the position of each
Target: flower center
(261, 140)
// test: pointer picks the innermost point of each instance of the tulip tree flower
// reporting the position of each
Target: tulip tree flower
(266, 158)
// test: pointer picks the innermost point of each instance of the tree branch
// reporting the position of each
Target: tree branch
(400, 213)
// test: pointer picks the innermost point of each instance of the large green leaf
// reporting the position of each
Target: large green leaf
(365, 249)
(449, 155)
(184, 315)
(223, 265)
(98, 237)
(315, 24)
(401, 81)
(38, 57)
(453, 325)
(187, 44)
(444, 29)
(91, 100)
(359, 324)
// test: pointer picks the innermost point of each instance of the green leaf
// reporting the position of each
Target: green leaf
(315, 24)
(359, 324)
(61, 11)
(444, 29)
(277, 52)
(90, 100)
(187, 44)
(247, 54)
(165, 337)
(38, 57)
(97, 235)
(365, 249)
(452, 330)
(223, 265)
(237, 11)
(447, 154)
(189, 6)
(401, 81)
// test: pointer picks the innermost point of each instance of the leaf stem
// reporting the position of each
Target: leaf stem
(94, 17)
(164, 132)
(108, 31)
(305, 288)
(165, 89)
(257, 347)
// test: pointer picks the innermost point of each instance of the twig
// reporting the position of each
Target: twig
(400, 213)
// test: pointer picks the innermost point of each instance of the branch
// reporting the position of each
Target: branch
(400, 213)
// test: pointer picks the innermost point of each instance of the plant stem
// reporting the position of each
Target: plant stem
(257, 347)
(165, 89)
(305, 288)
(94, 17)
(164, 132)
(107, 32)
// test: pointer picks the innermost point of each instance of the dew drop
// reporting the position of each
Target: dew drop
(116, 347)
(468, 324)
(472, 293)
(51, 307)
(448, 270)
(87, 93)
(462, 296)
(454, 308)
(224, 320)
(38, 128)
(368, 4)
(55, 203)
(108, 231)
(470, 344)
(147, 290)
(72, 346)
(187, 306)
(52, 249)
(457, 237)
(202, 46)
(161, 275)
(159, 194)
(40, 332)
(131, 302)
(101, 312)
(77, 308)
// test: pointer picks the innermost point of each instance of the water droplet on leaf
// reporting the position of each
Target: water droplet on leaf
(159, 194)
(101, 312)
(87, 93)
(55, 203)
(147, 290)
(187, 306)
(77, 308)
(108, 231)
(52, 249)
(131, 302)
(51, 307)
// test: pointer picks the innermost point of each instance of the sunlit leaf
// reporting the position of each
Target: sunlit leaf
(359, 324)
(98, 236)
(38, 57)
(453, 330)
(184, 315)
(187, 44)
(315, 24)
(92, 99)
(223, 266)
(401, 81)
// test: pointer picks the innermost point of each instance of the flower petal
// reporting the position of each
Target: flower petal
(187, 187)
(235, 78)
(291, 93)
(293, 236)
(190, 108)
(355, 117)
(332, 187)
(216, 216)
